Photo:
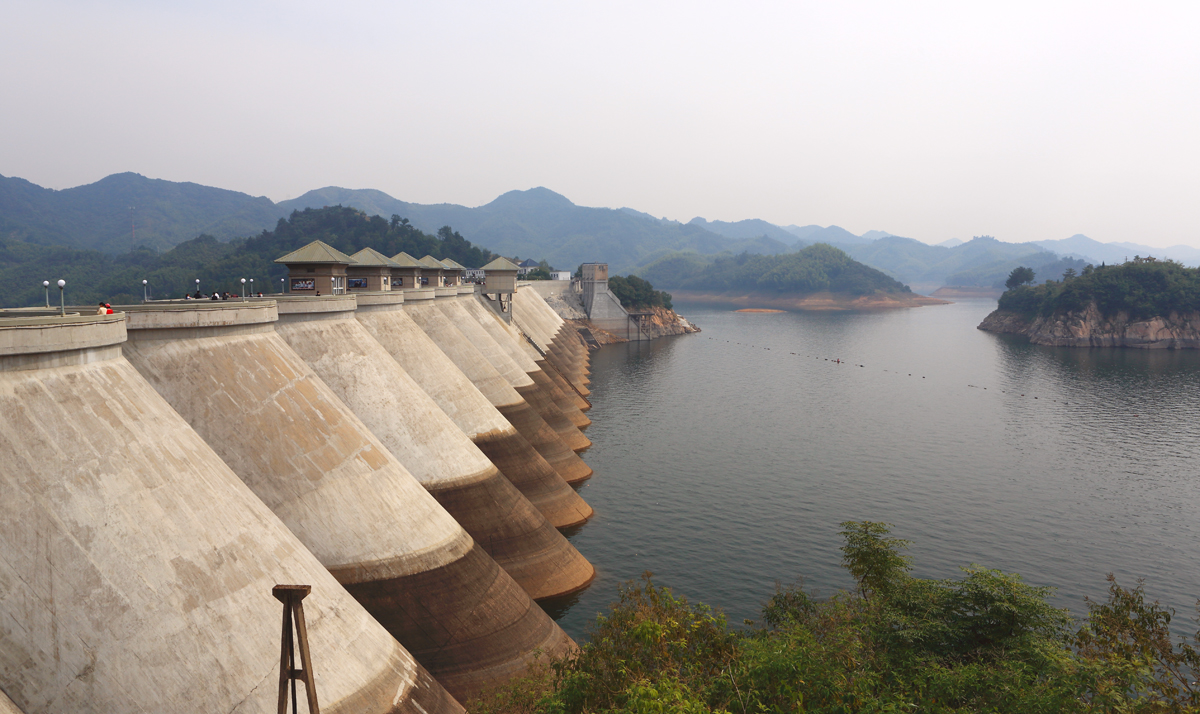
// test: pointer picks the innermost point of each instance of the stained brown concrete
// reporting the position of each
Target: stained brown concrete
(7, 706)
(538, 320)
(526, 357)
(136, 568)
(471, 411)
(419, 305)
(336, 486)
(443, 459)
(523, 382)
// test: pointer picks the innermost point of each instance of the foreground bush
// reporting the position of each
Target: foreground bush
(986, 642)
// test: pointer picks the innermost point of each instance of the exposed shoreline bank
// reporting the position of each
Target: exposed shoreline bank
(1089, 328)
(822, 301)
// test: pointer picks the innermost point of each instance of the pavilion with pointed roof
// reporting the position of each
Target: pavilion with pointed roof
(317, 269)
(432, 271)
(371, 272)
(454, 272)
(406, 274)
(500, 279)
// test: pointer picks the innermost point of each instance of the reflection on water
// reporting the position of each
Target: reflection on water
(725, 461)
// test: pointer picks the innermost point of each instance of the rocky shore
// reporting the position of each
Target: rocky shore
(660, 323)
(810, 301)
(1089, 328)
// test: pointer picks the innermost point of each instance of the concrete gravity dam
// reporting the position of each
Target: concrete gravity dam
(404, 445)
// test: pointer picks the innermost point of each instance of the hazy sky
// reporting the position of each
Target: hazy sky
(1025, 121)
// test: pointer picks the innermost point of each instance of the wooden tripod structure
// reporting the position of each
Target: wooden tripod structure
(293, 610)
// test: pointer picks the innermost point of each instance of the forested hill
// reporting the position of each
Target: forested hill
(540, 222)
(93, 276)
(817, 268)
(1142, 288)
(123, 211)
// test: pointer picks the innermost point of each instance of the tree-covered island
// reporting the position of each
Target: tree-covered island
(816, 277)
(1143, 302)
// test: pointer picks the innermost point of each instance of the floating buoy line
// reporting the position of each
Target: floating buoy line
(840, 361)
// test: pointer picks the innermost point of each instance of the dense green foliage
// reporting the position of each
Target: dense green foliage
(1142, 287)
(92, 276)
(816, 268)
(1020, 276)
(985, 642)
(637, 294)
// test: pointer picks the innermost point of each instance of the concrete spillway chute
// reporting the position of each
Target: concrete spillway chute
(339, 489)
(136, 568)
(462, 401)
(419, 305)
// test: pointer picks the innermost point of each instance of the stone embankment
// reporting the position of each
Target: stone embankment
(1090, 328)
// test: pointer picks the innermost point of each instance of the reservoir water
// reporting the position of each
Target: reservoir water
(724, 461)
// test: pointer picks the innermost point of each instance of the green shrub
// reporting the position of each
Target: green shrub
(985, 642)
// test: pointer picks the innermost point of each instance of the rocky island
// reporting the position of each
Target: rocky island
(1144, 303)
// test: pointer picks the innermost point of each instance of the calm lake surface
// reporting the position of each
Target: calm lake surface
(724, 462)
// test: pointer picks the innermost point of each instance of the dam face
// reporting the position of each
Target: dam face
(311, 459)
(377, 389)
(471, 411)
(534, 317)
(420, 306)
(524, 355)
(136, 568)
(521, 381)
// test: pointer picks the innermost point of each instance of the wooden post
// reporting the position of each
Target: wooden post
(293, 611)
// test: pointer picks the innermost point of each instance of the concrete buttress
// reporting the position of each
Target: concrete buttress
(462, 401)
(536, 319)
(444, 460)
(527, 358)
(539, 397)
(419, 305)
(339, 489)
(136, 568)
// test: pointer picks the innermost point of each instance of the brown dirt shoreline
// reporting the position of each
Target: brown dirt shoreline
(809, 302)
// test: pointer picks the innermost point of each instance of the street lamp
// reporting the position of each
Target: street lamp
(145, 285)
(62, 303)
(251, 287)
(46, 285)
(197, 287)
(281, 286)
(243, 290)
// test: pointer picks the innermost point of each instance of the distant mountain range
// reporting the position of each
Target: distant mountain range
(127, 210)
